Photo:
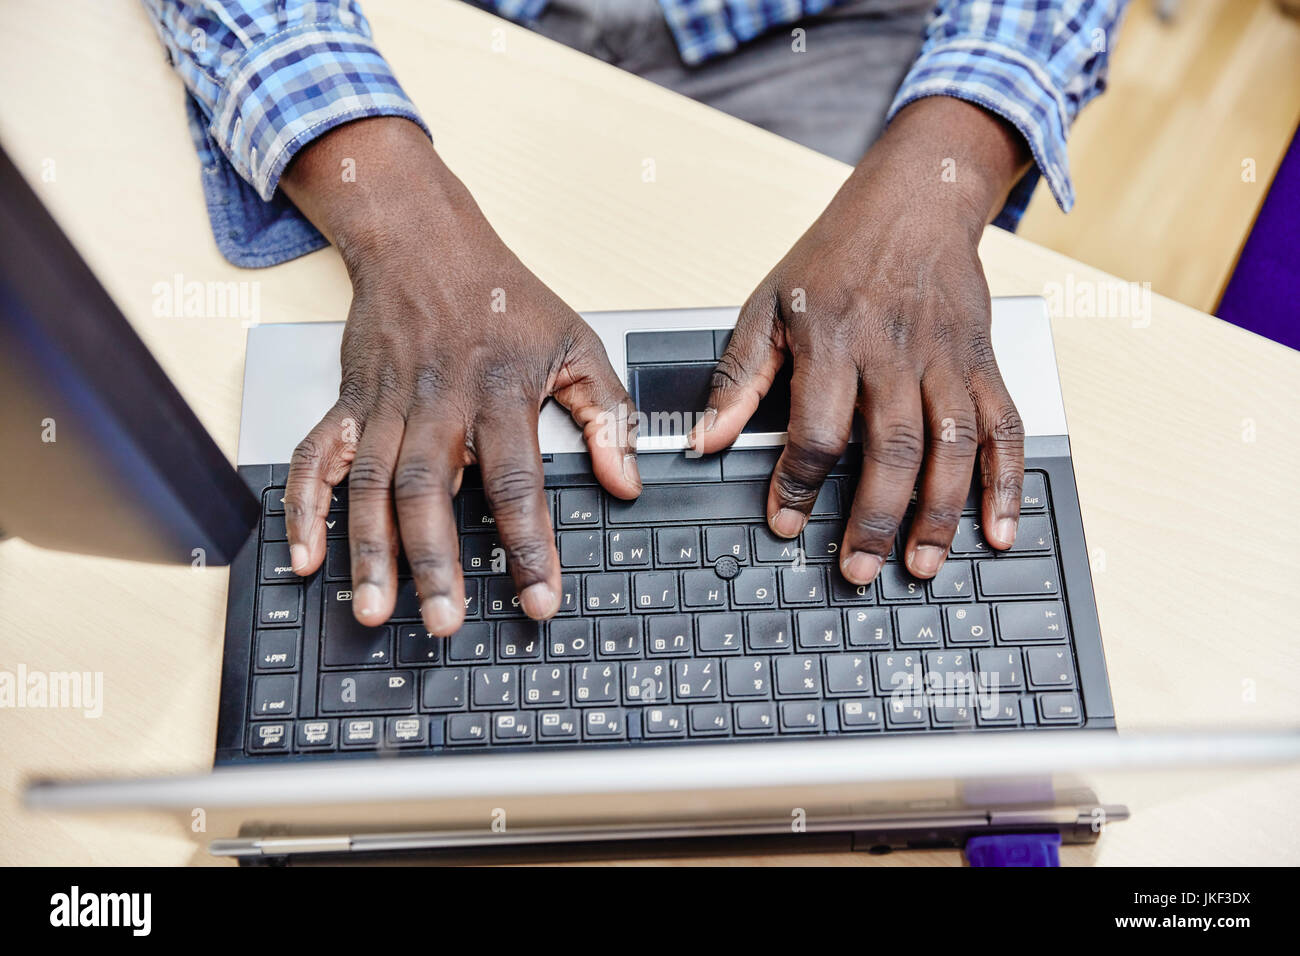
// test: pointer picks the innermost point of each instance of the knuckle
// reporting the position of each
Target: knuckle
(512, 488)
(727, 374)
(372, 552)
(306, 455)
(430, 563)
(874, 527)
(529, 556)
(416, 478)
(939, 515)
(370, 475)
(898, 446)
(955, 435)
(1007, 426)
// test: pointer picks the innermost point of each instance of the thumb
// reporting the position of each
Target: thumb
(744, 374)
(605, 412)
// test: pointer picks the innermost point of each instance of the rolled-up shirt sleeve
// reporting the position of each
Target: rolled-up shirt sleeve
(265, 78)
(1035, 63)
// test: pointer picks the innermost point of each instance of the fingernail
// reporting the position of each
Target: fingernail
(298, 556)
(630, 470)
(538, 601)
(1005, 531)
(439, 614)
(708, 420)
(860, 567)
(367, 598)
(787, 522)
(926, 560)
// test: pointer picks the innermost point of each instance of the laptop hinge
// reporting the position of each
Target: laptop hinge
(283, 846)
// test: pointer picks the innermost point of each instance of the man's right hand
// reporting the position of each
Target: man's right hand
(450, 349)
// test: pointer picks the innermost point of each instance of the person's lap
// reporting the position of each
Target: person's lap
(830, 91)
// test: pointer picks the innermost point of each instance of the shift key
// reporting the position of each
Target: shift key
(1008, 577)
(367, 691)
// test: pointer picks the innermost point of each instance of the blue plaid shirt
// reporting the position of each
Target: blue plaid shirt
(266, 77)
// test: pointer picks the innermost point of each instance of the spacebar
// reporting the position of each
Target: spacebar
(724, 501)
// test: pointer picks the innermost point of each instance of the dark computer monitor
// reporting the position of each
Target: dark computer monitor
(98, 451)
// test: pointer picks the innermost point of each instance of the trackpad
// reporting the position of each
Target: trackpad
(671, 398)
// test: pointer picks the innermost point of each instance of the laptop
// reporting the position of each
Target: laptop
(703, 678)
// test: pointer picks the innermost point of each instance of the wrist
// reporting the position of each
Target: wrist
(952, 159)
(378, 191)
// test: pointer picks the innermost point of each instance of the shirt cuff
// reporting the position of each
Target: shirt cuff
(1005, 81)
(294, 86)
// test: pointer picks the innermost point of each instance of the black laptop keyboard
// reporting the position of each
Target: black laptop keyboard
(682, 618)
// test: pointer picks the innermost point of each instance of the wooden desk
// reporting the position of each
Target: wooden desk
(1184, 429)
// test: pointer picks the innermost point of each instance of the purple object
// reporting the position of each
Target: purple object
(1014, 849)
(1263, 294)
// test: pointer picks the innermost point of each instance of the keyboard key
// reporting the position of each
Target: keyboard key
(274, 696)
(444, 689)
(273, 503)
(1033, 495)
(661, 721)
(475, 514)
(317, 734)
(482, 552)
(338, 561)
(581, 549)
(969, 539)
(949, 672)
(463, 729)
(500, 598)
(896, 584)
(709, 720)
(472, 644)
(803, 585)
(898, 669)
(514, 728)
(754, 587)
(953, 582)
(646, 682)
(719, 633)
(273, 528)
(569, 639)
(998, 710)
(362, 691)
(730, 541)
(279, 605)
(999, 669)
(408, 602)
(848, 674)
(494, 687)
(570, 597)
(655, 590)
(604, 724)
(1034, 533)
(903, 713)
(861, 715)
(756, 718)
(677, 547)
(415, 645)
(843, 592)
(819, 630)
(276, 650)
(669, 635)
(697, 680)
(406, 732)
(629, 548)
(1005, 577)
(595, 684)
(347, 642)
(275, 563)
(546, 685)
(800, 717)
(747, 677)
(618, 637)
(1059, 708)
(821, 540)
(1031, 623)
(871, 628)
(798, 676)
(769, 631)
(361, 733)
(703, 589)
(579, 507)
(606, 593)
(969, 625)
(519, 641)
(698, 504)
(1050, 667)
(557, 726)
(919, 627)
(953, 712)
(775, 550)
